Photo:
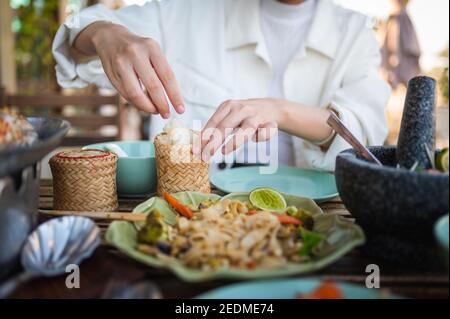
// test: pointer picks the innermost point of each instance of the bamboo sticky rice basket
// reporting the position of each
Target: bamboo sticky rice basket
(178, 169)
(84, 180)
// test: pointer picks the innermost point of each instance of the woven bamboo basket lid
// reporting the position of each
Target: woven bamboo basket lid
(178, 169)
(84, 180)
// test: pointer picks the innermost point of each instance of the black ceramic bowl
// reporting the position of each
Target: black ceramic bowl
(51, 132)
(387, 200)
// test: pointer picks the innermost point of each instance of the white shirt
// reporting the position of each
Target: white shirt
(285, 28)
(217, 51)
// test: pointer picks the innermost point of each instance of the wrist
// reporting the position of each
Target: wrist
(99, 31)
(282, 114)
(87, 41)
(291, 115)
(309, 123)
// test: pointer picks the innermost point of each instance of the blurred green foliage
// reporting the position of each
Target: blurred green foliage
(443, 81)
(35, 24)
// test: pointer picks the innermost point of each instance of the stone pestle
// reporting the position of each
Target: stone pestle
(417, 131)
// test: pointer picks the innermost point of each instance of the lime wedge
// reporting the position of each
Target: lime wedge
(267, 199)
(442, 160)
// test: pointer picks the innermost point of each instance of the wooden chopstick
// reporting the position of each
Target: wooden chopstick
(97, 215)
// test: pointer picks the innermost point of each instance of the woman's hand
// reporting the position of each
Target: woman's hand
(255, 119)
(133, 64)
(259, 120)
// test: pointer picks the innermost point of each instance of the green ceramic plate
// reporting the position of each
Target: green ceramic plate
(319, 186)
(340, 235)
(288, 289)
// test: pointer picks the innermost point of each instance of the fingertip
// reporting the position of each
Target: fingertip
(165, 115)
(180, 109)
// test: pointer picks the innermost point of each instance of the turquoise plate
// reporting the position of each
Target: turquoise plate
(288, 289)
(441, 231)
(319, 186)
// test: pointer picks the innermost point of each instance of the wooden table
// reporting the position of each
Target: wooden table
(108, 264)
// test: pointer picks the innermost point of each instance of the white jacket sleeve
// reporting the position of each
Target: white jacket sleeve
(360, 102)
(141, 20)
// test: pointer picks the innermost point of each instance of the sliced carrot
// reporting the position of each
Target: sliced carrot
(179, 207)
(286, 219)
(251, 265)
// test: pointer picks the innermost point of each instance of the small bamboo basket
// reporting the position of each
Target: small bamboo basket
(84, 180)
(178, 169)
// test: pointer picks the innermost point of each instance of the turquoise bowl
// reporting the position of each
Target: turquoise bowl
(136, 174)
(441, 230)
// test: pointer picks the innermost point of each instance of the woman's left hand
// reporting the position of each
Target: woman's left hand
(259, 120)
(255, 119)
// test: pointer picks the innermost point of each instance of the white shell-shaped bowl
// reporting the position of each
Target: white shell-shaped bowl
(58, 243)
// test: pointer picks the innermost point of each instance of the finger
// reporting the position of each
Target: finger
(113, 73)
(168, 79)
(222, 131)
(231, 122)
(114, 79)
(132, 89)
(153, 86)
(210, 148)
(265, 132)
(214, 121)
(245, 133)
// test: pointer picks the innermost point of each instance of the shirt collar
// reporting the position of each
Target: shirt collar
(324, 33)
(243, 27)
(243, 24)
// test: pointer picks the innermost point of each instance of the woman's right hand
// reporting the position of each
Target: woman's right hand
(136, 66)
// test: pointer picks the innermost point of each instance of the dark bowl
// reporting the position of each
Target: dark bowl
(51, 132)
(399, 252)
(391, 201)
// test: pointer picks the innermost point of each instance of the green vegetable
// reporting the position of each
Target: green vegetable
(310, 241)
(154, 229)
(442, 160)
(292, 210)
(214, 263)
(303, 215)
(207, 203)
(193, 207)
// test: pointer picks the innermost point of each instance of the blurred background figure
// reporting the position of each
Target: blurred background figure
(401, 49)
